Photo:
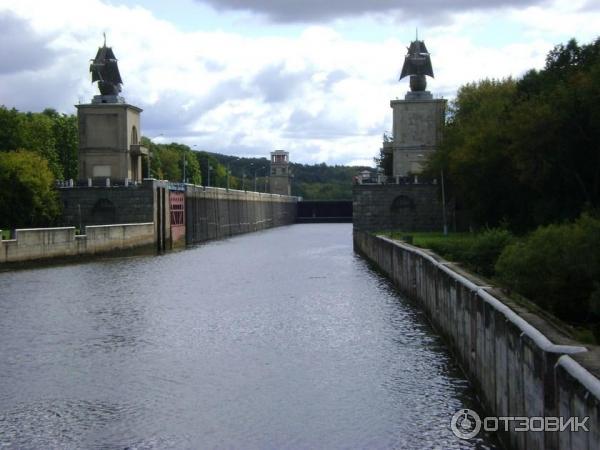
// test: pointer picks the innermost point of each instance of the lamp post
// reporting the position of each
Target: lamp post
(266, 178)
(208, 169)
(251, 169)
(184, 164)
(444, 204)
(228, 173)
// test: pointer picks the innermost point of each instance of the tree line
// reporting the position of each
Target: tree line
(521, 158)
(526, 152)
(35, 150)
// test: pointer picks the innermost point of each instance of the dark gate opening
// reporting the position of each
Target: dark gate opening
(324, 211)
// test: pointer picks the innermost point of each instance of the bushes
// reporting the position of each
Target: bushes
(557, 267)
(27, 194)
(486, 248)
(478, 252)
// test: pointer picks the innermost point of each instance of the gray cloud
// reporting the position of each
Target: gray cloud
(20, 47)
(304, 125)
(319, 10)
(277, 85)
(168, 115)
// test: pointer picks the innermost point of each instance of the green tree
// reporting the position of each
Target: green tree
(474, 154)
(527, 152)
(167, 161)
(66, 137)
(10, 129)
(558, 267)
(556, 132)
(37, 135)
(27, 194)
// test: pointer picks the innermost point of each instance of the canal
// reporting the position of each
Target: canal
(278, 339)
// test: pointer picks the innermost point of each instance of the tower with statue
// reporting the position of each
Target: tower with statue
(399, 199)
(418, 120)
(109, 129)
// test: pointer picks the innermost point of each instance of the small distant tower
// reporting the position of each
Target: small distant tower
(280, 173)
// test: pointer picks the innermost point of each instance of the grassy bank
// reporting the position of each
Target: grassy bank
(557, 267)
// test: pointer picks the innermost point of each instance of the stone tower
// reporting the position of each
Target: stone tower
(280, 180)
(418, 119)
(109, 129)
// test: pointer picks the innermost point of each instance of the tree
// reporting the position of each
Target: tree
(385, 159)
(50, 134)
(167, 161)
(66, 137)
(474, 153)
(528, 152)
(27, 194)
(10, 129)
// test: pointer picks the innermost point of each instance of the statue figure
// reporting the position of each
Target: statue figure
(417, 64)
(105, 71)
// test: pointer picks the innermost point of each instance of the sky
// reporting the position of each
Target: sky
(245, 77)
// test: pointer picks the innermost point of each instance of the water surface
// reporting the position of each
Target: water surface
(278, 339)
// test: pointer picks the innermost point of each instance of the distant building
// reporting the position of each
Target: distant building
(280, 178)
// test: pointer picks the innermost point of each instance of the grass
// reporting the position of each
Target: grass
(453, 246)
(5, 234)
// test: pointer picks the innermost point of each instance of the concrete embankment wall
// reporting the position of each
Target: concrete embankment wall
(214, 213)
(515, 369)
(46, 243)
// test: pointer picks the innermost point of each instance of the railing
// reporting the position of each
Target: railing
(383, 179)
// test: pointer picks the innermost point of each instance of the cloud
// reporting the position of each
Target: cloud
(276, 84)
(315, 91)
(21, 48)
(323, 11)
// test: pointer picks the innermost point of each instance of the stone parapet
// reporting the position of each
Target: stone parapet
(34, 244)
(519, 364)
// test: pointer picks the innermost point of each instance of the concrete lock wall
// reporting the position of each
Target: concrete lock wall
(409, 207)
(46, 243)
(214, 213)
(108, 205)
(515, 369)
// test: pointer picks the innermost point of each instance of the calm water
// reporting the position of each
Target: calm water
(278, 339)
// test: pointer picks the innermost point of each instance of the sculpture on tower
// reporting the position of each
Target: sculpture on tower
(109, 130)
(418, 119)
(417, 64)
(105, 71)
